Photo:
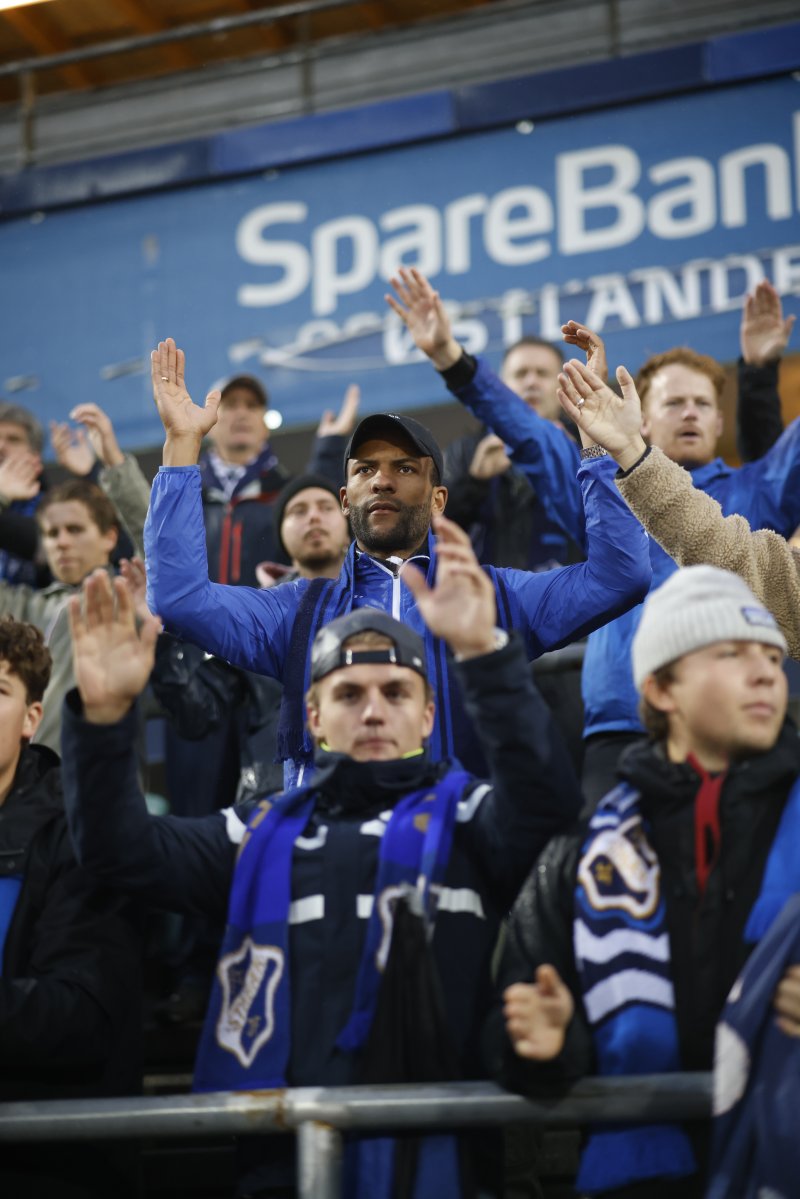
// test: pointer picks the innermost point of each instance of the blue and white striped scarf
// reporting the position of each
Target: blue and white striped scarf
(623, 958)
(622, 955)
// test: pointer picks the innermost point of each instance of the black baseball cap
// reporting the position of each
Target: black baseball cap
(381, 423)
(247, 383)
(327, 654)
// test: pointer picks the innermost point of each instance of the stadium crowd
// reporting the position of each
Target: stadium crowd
(396, 854)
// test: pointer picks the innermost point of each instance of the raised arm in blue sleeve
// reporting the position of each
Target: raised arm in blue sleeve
(555, 607)
(768, 491)
(243, 625)
(540, 448)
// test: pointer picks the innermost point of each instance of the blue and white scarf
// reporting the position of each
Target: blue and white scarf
(246, 1039)
(622, 955)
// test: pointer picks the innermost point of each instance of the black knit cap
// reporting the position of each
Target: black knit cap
(381, 423)
(293, 488)
(327, 654)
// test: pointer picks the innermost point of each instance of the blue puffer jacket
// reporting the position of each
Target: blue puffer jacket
(255, 629)
(766, 492)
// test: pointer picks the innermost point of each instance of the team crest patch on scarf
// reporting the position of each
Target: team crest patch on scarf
(249, 977)
(621, 871)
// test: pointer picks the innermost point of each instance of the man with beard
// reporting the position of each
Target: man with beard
(393, 470)
(311, 529)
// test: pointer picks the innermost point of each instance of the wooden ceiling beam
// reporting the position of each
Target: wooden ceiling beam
(143, 21)
(272, 37)
(372, 14)
(47, 41)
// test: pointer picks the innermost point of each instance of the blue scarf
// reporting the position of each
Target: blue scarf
(325, 599)
(622, 955)
(246, 1039)
(623, 958)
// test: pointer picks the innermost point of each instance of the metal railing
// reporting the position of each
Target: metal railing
(319, 1115)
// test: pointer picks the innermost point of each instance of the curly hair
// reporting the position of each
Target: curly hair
(22, 647)
(683, 356)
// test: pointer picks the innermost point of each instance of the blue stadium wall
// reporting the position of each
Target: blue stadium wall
(643, 196)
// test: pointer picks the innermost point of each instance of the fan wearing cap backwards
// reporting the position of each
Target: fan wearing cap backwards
(309, 877)
(628, 937)
(392, 490)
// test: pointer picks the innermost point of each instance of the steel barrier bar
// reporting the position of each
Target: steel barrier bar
(643, 1098)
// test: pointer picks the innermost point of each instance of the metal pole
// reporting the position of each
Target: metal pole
(152, 1116)
(319, 1161)
(646, 1098)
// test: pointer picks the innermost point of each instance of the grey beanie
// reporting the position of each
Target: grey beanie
(696, 607)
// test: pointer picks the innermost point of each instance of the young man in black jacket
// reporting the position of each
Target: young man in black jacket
(69, 1011)
(326, 861)
(628, 937)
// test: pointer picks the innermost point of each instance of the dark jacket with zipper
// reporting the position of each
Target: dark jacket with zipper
(188, 864)
(240, 531)
(706, 933)
(70, 1015)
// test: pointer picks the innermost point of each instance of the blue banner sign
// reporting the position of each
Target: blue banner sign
(648, 222)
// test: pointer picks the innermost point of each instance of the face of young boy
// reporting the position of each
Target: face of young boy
(73, 543)
(374, 712)
(18, 718)
(726, 701)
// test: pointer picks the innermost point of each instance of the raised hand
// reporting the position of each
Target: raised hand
(592, 345)
(461, 606)
(101, 433)
(112, 658)
(343, 423)
(422, 312)
(72, 448)
(538, 1014)
(19, 475)
(135, 575)
(605, 418)
(185, 422)
(490, 458)
(763, 333)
